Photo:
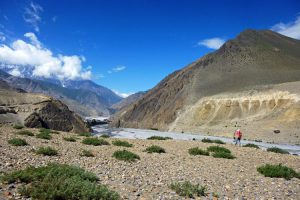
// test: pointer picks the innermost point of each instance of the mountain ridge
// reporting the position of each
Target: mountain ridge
(254, 60)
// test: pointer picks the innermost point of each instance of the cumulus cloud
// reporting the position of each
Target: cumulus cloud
(33, 39)
(291, 29)
(124, 95)
(40, 61)
(32, 15)
(212, 43)
(117, 69)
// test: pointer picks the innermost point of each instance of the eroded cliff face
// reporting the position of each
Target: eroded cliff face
(227, 108)
(258, 113)
(36, 111)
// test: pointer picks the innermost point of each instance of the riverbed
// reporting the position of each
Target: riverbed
(131, 133)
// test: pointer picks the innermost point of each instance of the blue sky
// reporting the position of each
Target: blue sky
(130, 45)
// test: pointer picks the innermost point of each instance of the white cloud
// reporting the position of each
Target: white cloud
(32, 15)
(124, 95)
(41, 62)
(291, 29)
(212, 43)
(33, 39)
(116, 69)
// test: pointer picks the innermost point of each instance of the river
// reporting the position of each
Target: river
(131, 133)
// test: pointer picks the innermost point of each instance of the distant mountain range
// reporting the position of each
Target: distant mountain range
(82, 96)
(127, 101)
(252, 82)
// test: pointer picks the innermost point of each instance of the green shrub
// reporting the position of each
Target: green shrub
(277, 150)
(105, 136)
(45, 130)
(125, 155)
(196, 151)
(56, 181)
(218, 149)
(207, 140)
(85, 134)
(70, 139)
(122, 143)
(95, 141)
(17, 142)
(251, 145)
(278, 171)
(155, 137)
(222, 154)
(27, 133)
(44, 135)
(155, 149)
(87, 153)
(18, 126)
(189, 190)
(47, 151)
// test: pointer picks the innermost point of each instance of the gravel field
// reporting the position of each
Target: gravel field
(151, 176)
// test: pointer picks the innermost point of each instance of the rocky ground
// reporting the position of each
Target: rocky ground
(150, 177)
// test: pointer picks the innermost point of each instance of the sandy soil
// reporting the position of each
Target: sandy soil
(150, 177)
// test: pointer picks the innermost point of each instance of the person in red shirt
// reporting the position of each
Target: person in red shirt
(237, 137)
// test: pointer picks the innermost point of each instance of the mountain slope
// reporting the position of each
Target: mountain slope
(127, 101)
(86, 102)
(254, 61)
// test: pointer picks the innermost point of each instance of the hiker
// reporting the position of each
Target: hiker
(237, 137)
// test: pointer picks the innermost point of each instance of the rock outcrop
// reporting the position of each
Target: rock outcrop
(36, 111)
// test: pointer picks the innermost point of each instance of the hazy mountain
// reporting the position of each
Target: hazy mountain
(89, 99)
(127, 101)
(247, 82)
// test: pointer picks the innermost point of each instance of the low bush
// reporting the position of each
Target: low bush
(56, 181)
(218, 149)
(17, 142)
(47, 151)
(85, 134)
(122, 143)
(189, 190)
(27, 133)
(95, 141)
(207, 140)
(277, 150)
(87, 153)
(45, 130)
(44, 135)
(18, 126)
(278, 171)
(196, 151)
(105, 136)
(222, 154)
(70, 139)
(155, 137)
(155, 149)
(125, 155)
(251, 145)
